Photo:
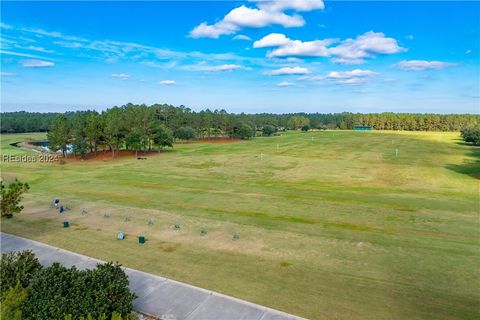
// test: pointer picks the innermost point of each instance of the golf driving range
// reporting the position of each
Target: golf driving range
(324, 225)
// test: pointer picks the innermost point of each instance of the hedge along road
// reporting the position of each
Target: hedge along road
(157, 296)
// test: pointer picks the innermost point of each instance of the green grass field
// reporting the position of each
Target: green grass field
(332, 224)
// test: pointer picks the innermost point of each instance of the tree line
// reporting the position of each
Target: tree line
(139, 127)
(22, 121)
(142, 127)
(208, 123)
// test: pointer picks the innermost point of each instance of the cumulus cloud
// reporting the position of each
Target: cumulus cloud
(350, 74)
(353, 77)
(357, 76)
(121, 76)
(266, 13)
(366, 45)
(242, 37)
(167, 82)
(7, 74)
(288, 71)
(349, 51)
(421, 65)
(36, 63)
(285, 84)
(272, 40)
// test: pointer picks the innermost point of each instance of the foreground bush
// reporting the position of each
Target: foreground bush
(115, 316)
(17, 267)
(12, 303)
(56, 291)
(30, 291)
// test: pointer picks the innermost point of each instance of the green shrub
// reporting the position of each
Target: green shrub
(185, 133)
(111, 290)
(243, 131)
(17, 267)
(472, 135)
(268, 130)
(51, 293)
(30, 291)
(12, 302)
(57, 291)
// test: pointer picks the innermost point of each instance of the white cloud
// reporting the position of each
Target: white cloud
(70, 44)
(285, 84)
(312, 78)
(357, 76)
(297, 5)
(468, 51)
(203, 30)
(267, 13)
(350, 74)
(167, 82)
(288, 71)
(258, 18)
(121, 76)
(34, 48)
(409, 37)
(7, 74)
(37, 64)
(242, 37)
(421, 65)
(115, 51)
(272, 40)
(349, 51)
(5, 26)
(26, 55)
(218, 68)
(348, 61)
(297, 48)
(225, 67)
(367, 45)
(54, 34)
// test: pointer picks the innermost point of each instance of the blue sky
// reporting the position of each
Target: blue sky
(271, 56)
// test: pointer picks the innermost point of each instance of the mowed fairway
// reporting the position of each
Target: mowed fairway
(332, 225)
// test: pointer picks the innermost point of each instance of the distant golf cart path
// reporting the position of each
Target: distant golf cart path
(157, 296)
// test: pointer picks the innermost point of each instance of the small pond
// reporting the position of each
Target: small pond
(44, 145)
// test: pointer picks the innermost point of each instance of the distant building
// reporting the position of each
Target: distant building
(362, 128)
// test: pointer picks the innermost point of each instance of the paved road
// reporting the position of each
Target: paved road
(158, 296)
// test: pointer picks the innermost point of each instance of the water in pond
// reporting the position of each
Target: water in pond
(45, 146)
